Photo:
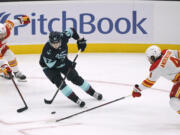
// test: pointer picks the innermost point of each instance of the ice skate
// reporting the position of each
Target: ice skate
(98, 96)
(80, 103)
(20, 77)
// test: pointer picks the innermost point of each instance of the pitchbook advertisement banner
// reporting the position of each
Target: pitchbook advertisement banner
(98, 22)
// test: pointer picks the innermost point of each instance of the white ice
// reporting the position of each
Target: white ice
(113, 75)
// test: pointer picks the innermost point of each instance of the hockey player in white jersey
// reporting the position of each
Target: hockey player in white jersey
(165, 63)
(6, 67)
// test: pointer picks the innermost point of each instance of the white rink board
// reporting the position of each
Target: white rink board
(161, 25)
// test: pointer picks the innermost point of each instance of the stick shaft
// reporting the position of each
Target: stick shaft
(93, 108)
(19, 92)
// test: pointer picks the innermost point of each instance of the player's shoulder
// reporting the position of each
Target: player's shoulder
(169, 51)
(46, 46)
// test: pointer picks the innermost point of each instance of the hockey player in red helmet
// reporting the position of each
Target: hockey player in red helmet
(165, 63)
(10, 65)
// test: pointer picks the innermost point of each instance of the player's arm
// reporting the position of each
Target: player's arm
(71, 32)
(81, 42)
(41, 61)
(19, 21)
(147, 83)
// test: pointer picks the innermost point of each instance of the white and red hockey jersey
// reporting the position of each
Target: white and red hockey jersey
(9, 25)
(168, 66)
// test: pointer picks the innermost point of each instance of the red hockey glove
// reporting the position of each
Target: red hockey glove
(7, 71)
(136, 91)
(24, 19)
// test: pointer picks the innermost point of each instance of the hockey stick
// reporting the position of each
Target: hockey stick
(50, 101)
(90, 109)
(23, 108)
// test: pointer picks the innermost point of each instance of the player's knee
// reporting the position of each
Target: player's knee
(75, 78)
(175, 104)
(72, 74)
(78, 81)
(175, 92)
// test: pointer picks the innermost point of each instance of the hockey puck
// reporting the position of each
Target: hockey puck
(53, 112)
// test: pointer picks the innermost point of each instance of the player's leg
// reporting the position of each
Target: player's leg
(175, 97)
(10, 57)
(78, 80)
(55, 77)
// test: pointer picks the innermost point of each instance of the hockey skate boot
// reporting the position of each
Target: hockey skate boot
(98, 96)
(80, 103)
(20, 76)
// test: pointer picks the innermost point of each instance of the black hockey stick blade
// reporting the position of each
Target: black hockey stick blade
(48, 101)
(92, 108)
(22, 109)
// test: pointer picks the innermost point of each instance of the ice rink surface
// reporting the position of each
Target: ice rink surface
(113, 75)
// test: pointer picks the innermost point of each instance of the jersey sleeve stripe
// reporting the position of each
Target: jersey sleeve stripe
(176, 78)
(148, 83)
(178, 94)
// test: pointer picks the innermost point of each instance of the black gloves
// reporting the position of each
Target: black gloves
(70, 64)
(81, 44)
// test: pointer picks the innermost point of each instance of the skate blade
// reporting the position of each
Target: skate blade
(19, 80)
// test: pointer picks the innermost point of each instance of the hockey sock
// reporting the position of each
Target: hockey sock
(87, 88)
(13, 65)
(67, 91)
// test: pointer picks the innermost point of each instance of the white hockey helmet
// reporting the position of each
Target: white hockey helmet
(2, 30)
(153, 52)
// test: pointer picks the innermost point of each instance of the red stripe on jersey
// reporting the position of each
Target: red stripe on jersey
(176, 78)
(0, 44)
(3, 51)
(156, 63)
(8, 32)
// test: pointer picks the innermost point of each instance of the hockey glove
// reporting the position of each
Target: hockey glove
(70, 64)
(24, 19)
(7, 71)
(81, 44)
(136, 91)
